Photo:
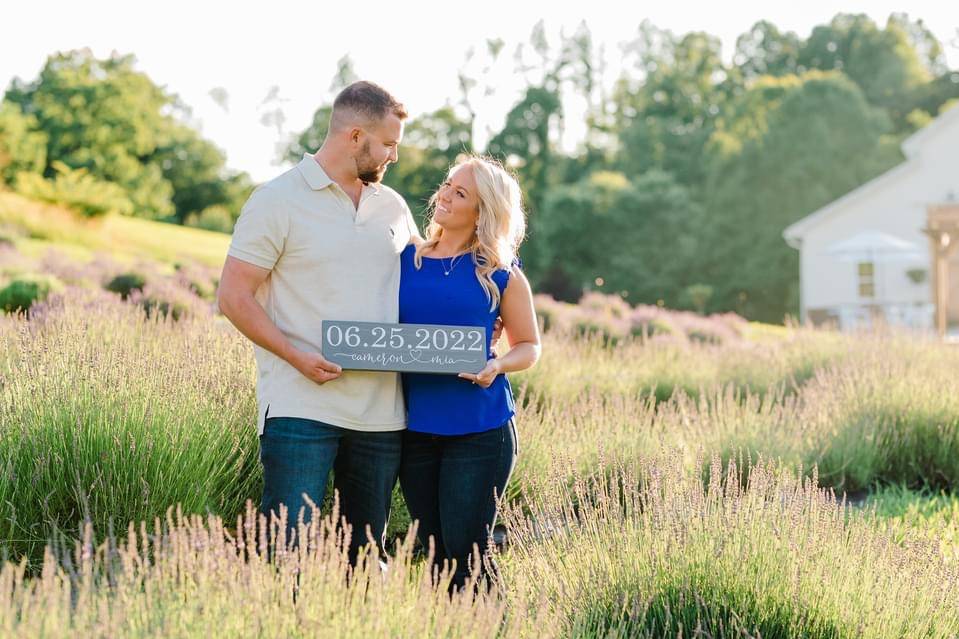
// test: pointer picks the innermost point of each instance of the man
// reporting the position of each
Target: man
(322, 241)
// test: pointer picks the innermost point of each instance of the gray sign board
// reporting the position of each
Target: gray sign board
(409, 348)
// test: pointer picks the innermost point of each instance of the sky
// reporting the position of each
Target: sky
(237, 65)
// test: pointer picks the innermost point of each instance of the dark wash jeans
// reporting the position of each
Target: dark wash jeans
(297, 456)
(451, 483)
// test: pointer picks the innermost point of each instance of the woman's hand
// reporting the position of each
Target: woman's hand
(486, 376)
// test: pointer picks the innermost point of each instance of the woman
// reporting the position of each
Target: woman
(460, 444)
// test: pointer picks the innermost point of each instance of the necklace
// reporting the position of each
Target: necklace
(453, 263)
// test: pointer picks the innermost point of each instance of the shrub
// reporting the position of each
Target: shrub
(126, 283)
(213, 218)
(75, 189)
(20, 294)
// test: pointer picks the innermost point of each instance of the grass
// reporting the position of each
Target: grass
(921, 516)
(648, 551)
(36, 227)
(653, 552)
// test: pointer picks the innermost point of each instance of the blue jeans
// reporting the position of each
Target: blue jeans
(450, 484)
(297, 456)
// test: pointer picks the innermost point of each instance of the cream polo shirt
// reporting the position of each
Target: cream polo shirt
(327, 260)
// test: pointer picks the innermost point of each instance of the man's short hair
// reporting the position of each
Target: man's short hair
(367, 100)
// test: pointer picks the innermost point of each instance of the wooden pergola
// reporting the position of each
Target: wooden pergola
(942, 227)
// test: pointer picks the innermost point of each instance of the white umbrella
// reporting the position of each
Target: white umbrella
(875, 246)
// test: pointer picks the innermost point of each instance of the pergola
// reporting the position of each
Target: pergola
(942, 227)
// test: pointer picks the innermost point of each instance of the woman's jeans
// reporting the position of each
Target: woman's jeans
(297, 456)
(451, 483)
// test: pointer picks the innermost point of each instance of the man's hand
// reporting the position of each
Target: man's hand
(497, 333)
(486, 376)
(315, 367)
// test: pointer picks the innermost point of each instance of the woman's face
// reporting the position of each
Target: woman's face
(457, 202)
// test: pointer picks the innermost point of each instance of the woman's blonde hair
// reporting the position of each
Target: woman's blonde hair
(500, 227)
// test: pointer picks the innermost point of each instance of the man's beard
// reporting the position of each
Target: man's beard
(365, 169)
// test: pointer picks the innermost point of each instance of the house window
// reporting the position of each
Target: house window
(867, 282)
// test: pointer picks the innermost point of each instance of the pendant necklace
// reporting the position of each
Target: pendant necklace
(453, 263)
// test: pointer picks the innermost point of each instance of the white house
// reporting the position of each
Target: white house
(887, 248)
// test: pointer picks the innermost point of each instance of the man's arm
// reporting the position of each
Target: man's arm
(235, 298)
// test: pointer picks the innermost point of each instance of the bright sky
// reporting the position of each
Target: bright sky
(283, 54)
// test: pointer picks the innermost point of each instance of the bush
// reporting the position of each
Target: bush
(75, 189)
(20, 294)
(165, 299)
(213, 218)
(126, 283)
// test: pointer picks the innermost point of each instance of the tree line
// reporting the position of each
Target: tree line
(677, 195)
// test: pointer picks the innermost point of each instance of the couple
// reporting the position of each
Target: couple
(326, 240)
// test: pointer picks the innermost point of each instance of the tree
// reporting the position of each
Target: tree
(104, 117)
(525, 142)
(666, 115)
(765, 50)
(793, 145)
(22, 147)
(883, 62)
(111, 123)
(632, 238)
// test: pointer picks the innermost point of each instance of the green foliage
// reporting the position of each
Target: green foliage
(698, 296)
(126, 283)
(213, 218)
(666, 117)
(881, 61)
(105, 118)
(195, 169)
(633, 238)
(789, 147)
(76, 189)
(22, 148)
(21, 293)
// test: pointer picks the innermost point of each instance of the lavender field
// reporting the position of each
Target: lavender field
(678, 475)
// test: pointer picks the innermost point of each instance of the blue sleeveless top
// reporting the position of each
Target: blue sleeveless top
(448, 404)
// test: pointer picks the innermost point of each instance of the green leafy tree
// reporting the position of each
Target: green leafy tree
(22, 147)
(196, 170)
(792, 146)
(104, 117)
(883, 62)
(765, 50)
(667, 110)
(108, 121)
(608, 233)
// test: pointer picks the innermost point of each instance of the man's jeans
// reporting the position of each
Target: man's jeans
(297, 456)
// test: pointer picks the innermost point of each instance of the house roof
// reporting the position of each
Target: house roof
(910, 148)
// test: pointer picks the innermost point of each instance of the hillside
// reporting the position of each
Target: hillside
(34, 228)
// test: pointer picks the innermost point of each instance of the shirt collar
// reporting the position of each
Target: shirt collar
(313, 173)
(317, 178)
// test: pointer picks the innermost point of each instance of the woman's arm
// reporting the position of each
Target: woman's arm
(522, 332)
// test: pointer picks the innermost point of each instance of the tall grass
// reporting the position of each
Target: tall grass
(652, 552)
(107, 414)
(573, 364)
(645, 551)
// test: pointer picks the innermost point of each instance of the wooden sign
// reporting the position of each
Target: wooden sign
(409, 348)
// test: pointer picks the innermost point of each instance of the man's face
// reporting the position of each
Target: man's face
(380, 148)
